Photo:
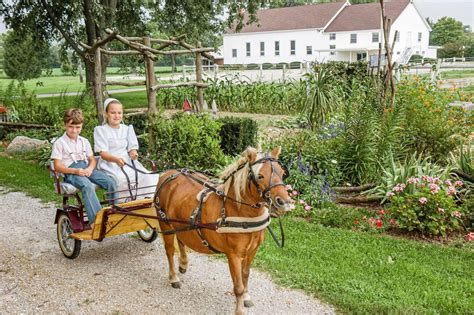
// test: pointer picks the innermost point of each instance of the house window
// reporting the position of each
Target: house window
(247, 47)
(332, 47)
(375, 37)
(292, 47)
(309, 50)
(332, 53)
(398, 53)
(234, 53)
(277, 48)
(420, 34)
(262, 48)
(397, 36)
(361, 56)
(332, 36)
(353, 38)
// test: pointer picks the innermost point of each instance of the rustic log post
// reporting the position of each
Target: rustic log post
(200, 92)
(150, 80)
(98, 86)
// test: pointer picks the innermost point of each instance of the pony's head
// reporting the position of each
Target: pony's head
(261, 175)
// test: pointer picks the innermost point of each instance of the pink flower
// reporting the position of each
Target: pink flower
(288, 187)
(399, 188)
(458, 183)
(456, 214)
(413, 180)
(372, 220)
(302, 201)
(393, 222)
(292, 207)
(430, 179)
(307, 207)
(440, 210)
(451, 190)
(295, 193)
(423, 200)
(448, 182)
(469, 236)
(434, 188)
(424, 177)
(292, 200)
(390, 194)
(381, 212)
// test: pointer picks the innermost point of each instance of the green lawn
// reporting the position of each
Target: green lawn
(354, 271)
(457, 74)
(58, 82)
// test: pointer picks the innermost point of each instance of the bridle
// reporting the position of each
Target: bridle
(265, 193)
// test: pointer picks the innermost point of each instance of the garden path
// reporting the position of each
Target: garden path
(119, 275)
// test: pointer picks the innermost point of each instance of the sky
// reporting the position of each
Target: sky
(462, 10)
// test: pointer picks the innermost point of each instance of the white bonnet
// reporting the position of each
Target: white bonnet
(108, 101)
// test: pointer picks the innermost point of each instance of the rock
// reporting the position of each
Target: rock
(23, 144)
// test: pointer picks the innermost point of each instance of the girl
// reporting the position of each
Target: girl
(117, 145)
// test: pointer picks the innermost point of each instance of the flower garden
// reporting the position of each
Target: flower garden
(340, 133)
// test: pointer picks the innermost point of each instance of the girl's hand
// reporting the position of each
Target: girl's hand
(133, 154)
(120, 162)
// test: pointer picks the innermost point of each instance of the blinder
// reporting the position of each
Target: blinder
(265, 194)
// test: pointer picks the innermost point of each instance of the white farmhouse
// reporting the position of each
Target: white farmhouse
(329, 31)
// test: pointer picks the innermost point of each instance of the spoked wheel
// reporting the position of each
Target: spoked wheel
(148, 235)
(69, 246)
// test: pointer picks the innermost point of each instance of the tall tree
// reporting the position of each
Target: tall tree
(447, 30)
(24, 57)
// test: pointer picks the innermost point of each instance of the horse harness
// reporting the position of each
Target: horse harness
(234, 224)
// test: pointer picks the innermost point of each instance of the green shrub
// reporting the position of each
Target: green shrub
(316, 150)
(140, 124)
(427, 205)
(237, 134)
(190, 141)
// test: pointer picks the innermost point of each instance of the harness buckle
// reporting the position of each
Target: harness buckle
(205, 243)
(220, 193)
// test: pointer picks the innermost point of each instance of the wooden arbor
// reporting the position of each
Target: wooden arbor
(143, 46)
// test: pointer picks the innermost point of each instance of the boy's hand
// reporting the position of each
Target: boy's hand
(88, 171)
(81, 172)
(133, 154)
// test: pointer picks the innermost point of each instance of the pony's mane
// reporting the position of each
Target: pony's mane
(240, 176)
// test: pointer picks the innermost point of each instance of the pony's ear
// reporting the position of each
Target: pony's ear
(276, 152)
(251, 154)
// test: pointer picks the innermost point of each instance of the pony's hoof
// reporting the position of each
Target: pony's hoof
(248, 303)
(176, 285)
(182, 270)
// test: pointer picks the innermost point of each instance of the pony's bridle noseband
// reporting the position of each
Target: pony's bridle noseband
(265, 194)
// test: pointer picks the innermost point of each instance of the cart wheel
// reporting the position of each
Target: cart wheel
(148, 235)
(69, 246)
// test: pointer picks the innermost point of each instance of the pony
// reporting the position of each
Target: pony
(228, 217)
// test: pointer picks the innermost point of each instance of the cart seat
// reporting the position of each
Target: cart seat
(61, 187)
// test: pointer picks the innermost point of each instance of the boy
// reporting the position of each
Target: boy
(73, 156)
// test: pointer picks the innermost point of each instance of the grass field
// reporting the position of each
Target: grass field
(58, 83)
(354, 271)
(457, 74)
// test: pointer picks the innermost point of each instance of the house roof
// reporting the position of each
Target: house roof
(366, 16)
(293, 18)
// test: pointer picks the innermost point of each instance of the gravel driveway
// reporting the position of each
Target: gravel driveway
(121, 275)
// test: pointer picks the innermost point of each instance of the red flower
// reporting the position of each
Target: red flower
(379, 223)
(393, 222)
(3, 110)
(381, 212)
(356, 221)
